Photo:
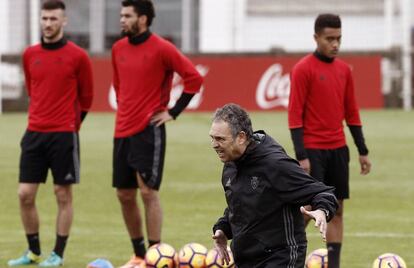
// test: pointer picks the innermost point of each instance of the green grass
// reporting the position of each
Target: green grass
(379, 216)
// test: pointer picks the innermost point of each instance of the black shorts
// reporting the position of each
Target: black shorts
(58, 151)
(332, 168)
(141, 153)
(289, 256)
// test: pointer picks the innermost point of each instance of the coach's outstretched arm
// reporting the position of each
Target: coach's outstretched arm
(320, 219)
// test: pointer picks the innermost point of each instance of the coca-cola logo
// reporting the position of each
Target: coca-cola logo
(177, 89)
(273, 88)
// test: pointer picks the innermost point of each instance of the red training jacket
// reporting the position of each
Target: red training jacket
(60, 85)
(142, 80)
(321, 97)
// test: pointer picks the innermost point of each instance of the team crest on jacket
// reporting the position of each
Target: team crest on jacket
(254, 182)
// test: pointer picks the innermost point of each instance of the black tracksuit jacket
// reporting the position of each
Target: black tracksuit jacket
(264, 191)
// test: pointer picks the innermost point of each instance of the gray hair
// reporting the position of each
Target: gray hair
(237, 119)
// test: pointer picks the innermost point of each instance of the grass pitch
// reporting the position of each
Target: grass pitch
(379, 216)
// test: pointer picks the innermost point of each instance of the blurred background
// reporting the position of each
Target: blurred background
(377, 42)
(245, 50)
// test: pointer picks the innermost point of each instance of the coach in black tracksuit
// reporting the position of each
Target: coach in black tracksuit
(265, 190)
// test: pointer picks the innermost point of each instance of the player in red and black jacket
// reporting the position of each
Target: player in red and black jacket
(265, 190)
(143, 68)
(322, 96)
(59, 84)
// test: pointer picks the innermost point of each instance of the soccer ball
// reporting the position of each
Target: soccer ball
(100, 263)
(192, 255)
(161, 255)
(213, 259)
(389, 260)
(317, 259)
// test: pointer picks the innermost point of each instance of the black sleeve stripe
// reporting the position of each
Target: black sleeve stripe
(297, 138)
(358, 136)
(181, 103)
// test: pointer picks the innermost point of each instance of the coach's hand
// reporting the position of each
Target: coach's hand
(305, 164)
(320, 220)
(160, 118)
(220, 244)
(365, 164)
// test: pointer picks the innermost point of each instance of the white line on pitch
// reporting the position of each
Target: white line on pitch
(372, 234)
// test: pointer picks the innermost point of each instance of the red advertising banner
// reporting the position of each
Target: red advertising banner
(259, 82)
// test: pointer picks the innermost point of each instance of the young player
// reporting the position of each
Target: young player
(322, 97)
(59, 83)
